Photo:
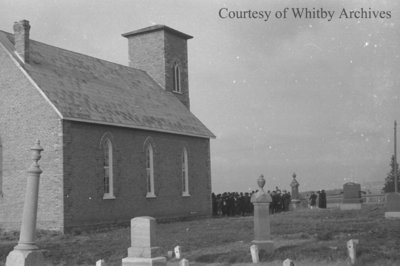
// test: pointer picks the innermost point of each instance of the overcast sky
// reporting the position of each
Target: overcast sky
(310, 96)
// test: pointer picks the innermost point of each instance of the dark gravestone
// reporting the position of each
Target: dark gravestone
(392, 205)
(351, 193)
(351, 196)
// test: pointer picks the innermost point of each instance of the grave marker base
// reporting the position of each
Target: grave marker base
(158, 261)
(143, 252)
(392, 215)
(350, 206)
(25, 258)
(266, 245)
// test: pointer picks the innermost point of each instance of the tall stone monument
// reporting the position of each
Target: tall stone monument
(26, 253)
(143, 250)
(262, 232)
(351, 196)
(295, 202)
(393, 199)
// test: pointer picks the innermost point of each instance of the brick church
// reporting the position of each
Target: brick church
(119, 142)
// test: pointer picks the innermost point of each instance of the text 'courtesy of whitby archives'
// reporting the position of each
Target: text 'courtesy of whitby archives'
(304, 13)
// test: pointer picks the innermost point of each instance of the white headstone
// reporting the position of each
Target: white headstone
(101, 263)
(254, 254)
(142, 251)
(288, 262)
(184, 262)
(178, 252)
(351, 249)
(170, 254)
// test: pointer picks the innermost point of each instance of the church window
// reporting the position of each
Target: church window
(150, 171)
(177, 79)
(108, 176)
(185, 173)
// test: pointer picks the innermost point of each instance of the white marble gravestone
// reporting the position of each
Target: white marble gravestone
(143, 250)
(178, 252)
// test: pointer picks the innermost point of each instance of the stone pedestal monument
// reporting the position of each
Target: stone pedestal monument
(351, 196)
(262, 232)
(143, 250)
(26, 252)
(295, 202)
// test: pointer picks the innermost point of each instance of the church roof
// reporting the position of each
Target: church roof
(88, 89)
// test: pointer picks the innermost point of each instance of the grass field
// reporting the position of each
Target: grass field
(309, 237)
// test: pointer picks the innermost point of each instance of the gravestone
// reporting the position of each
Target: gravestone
(352, 251)
(288, 262)
(170, 254)
(262, 232)
(101, 263)
(392, 205)
(178, 252)
(254, 254)
(184, 262)
(143, 250)
(351, 196)
(295, 202)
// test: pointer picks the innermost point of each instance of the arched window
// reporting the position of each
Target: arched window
(149, 171)
(177, 78)
(108, 176)
(185, 173)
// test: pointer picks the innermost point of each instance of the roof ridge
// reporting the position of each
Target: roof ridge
(80, 54)
(88, 56)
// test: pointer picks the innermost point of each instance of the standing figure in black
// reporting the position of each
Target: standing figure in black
(313, 200)
(214, 204)
(322, 196)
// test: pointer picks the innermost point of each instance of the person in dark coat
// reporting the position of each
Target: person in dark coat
(214, 204)
(322, 196)
(313, 200)
(319, 199)
(248, 206)
(286, 200)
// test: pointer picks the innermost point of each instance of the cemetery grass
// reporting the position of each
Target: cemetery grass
(309, 237)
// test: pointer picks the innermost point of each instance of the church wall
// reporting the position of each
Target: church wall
(83, 183)
(25, 117)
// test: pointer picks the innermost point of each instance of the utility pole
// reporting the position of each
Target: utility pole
(395, 157)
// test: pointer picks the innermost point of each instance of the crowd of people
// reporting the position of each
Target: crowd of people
(235, 203)
(232, 204)
(280, 201)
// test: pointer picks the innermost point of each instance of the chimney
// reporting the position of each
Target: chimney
(21, 39)
(162, 52)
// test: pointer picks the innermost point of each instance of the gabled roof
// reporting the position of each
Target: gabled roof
(87, 89)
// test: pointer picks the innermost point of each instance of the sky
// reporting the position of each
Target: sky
(315, 96)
